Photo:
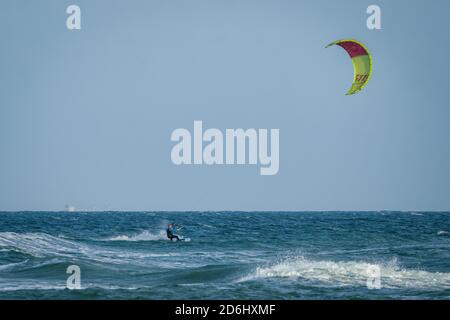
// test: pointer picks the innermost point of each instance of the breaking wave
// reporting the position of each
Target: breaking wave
(351, 273)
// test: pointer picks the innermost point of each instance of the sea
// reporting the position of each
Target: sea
(230, 255)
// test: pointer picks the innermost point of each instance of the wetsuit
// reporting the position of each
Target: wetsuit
(171, 234)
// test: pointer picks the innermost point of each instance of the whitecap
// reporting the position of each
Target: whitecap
(143, 236)
(350, 273)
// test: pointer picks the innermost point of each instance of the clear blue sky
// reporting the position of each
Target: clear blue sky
(86, 116)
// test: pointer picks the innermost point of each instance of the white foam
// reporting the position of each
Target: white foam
(351, 273)
(441, 232)
(143, 236)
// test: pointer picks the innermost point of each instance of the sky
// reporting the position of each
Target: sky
(86, 115)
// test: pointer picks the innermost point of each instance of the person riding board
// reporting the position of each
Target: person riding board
(172, 232)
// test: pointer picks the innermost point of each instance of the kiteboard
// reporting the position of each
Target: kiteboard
(181, 238)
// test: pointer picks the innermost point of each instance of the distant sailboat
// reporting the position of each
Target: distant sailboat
(70, 208)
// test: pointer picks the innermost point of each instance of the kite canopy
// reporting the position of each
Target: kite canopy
(362, 63)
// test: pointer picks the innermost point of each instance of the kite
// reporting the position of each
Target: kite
(362, 63)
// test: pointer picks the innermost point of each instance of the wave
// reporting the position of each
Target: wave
(9, 266)
(42, 245)
(351, 273)
(29, 286)
(22, 285)
(39, 244)
(442, 232)
(143, 236)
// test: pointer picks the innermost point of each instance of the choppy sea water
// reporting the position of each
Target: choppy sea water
(231, 255)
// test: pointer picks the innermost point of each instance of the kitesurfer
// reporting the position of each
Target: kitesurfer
(172, 232)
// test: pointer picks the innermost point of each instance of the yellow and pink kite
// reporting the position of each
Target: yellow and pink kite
(362, 63)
